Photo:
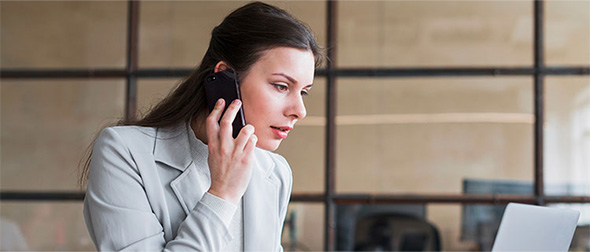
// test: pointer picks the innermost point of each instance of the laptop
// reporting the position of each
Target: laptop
(535, 228)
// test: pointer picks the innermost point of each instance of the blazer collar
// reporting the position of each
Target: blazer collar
(171, 147)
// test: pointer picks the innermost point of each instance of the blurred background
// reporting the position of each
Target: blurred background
(414, 137)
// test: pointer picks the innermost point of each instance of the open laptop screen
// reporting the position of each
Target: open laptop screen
(535, 228)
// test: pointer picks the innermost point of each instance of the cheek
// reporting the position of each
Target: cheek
(259, 99)
(254, 109)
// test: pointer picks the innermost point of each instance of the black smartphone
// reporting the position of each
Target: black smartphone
(225, 84)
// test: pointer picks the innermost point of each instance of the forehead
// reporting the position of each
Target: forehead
(297, 63)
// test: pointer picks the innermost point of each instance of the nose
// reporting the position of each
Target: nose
(296, 108)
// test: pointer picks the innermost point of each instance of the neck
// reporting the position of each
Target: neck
(198, 127)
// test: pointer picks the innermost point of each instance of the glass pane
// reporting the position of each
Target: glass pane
(432, 135)
(567, 136)
(461, 228)
(478, 224)
(434, 33)
(177, 33)
(47, 126)
(44, 226)
(567, 32)
(304, 149)
(305, 152)
(152, 91)
(304, 227)
(63, 34)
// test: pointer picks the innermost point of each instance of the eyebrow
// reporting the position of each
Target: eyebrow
(286, 76)
(291, 79)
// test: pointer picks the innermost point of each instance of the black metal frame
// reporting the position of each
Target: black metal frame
(539, 95)
(418, 72)
(330, 197)
(132, 59)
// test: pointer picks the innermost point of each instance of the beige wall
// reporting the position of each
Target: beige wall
(394, 135)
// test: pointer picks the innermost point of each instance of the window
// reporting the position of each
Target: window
(470, 104)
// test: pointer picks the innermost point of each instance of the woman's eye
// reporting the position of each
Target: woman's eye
(304, 92)
(281, 87)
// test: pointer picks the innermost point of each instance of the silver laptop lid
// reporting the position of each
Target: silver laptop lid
(535, 228)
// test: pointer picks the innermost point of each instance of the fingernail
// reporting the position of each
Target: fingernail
(237, 102)
(250, 128)
(219, 101)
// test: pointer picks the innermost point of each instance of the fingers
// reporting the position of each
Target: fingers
(245, 134)
(219, 131)
(249, 148)
(212, 120)
(225, 124)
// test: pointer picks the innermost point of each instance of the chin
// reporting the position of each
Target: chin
(269, 145)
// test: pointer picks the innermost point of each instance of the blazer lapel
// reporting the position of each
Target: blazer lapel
(189, 188)
(261, 207)
(176, 149)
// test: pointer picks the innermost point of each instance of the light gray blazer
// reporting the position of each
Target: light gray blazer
(145, 186)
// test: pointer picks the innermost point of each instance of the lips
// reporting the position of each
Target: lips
(284, 128)
(281, 131)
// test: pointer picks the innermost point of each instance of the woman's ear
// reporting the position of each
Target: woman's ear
(221, 66)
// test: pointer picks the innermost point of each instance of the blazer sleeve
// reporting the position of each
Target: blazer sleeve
(118, 214)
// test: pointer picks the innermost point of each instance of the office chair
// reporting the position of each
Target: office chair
(395, 232)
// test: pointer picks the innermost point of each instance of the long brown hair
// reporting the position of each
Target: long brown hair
(240, 41)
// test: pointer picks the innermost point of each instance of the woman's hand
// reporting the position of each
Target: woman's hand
(229, 158)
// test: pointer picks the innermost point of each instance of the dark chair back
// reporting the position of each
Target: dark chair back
(395, 232)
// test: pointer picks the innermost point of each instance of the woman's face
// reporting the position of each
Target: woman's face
(273, 92)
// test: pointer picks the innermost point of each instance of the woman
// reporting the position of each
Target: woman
(177, 179)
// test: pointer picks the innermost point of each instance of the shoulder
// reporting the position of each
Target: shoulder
(130, 136)
(124, 143)
(129, 132)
